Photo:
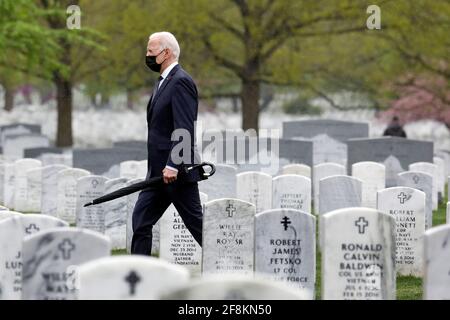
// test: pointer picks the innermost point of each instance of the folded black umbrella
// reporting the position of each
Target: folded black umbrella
(189, 174)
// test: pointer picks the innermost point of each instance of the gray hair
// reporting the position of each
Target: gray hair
(167, 41)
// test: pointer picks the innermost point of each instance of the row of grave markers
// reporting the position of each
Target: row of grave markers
(40, 254)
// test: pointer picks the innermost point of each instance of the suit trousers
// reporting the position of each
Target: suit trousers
(152, 204)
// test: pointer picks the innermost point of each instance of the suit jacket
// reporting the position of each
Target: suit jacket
(174, 106)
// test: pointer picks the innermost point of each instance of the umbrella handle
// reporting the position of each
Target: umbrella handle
(204, 164)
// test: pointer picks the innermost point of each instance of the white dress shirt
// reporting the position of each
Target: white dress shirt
(164, 76)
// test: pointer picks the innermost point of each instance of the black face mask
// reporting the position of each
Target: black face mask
(151, 63)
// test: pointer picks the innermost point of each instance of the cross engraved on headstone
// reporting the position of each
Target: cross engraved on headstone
(31, 229)
(402, 197)
(416, 179)
(133, 279)
(361, 223)
(285, 222)
(66, 247)
(231, 210)
(94, 184)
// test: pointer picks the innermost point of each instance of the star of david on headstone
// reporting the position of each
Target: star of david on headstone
(66, 247)
(132, 279)
(231, 210)
(285, 222)
(402, 197)
(361, 223)
(416, 179)
(32, 228)
(94, 183)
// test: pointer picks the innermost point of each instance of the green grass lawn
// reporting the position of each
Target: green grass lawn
(408, 287)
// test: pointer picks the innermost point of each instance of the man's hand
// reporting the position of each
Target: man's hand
(169, 176)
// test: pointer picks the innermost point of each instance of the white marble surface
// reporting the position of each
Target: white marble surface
(50, 259)
(255, 187)
(50, 189)
(177, 245)
(432, 170)
(291, 192)
(20, 182)
(296, 168)
(373, 177)
(436, 282)
(89, 188)
(8, 185)
(116, 215)
(34, 190)
(131, 201)
(12, 232)
(222, 184)
(337, 192)
(67, 193)
(228, 236)
(285, 247)
(321, 171)
(358, 255)
(423, 182)
(236, 287)
(129, 278)
(407, 206)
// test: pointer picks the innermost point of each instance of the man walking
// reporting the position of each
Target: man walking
(172, 107)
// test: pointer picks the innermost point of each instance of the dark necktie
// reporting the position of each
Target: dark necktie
(155, 91)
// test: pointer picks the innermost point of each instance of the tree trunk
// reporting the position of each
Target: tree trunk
(64, 107)
(250, 105)
(9, 97)
(130, 100)
(104, 100)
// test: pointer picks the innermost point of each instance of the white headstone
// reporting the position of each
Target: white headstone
(291, 192)
(255, 187)
(49, 159)
(407, 206)
(441, 174)
(12, 232)
(14, 145)
(49, 197)
(8, 185)
(436, 282)
(92, 217)
(131, 201)
(50, 259)
(129, 169)
(285, 247)
(20, 182)
(34, 190)
(222, 184)
(237, 287)
(5, 214)
(432, 170)
(300, 169)
(228, 236)
(337, 192)
(116, 215)
(129, 278)
(423, 182)
(321, 171)
(373, 177)
(447, 216)
(177, 245)
(67, 193)
(142, 169)
(2, 182)
(358, 255)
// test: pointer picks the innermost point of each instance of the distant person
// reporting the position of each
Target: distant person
(395, 129)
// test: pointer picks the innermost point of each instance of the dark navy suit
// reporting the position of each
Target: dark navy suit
(174, 106)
